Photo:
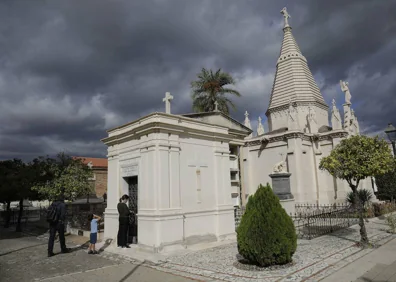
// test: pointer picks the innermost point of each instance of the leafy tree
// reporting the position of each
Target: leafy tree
(66, 178)
(386, 184)
(211, 87)
(266, 235)
(355, 159)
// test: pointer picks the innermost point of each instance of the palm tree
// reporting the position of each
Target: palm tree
(209, 88)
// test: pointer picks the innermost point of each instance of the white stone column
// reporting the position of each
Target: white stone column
(175, 193)
(294, 161)
(113, 196)
(225, 223)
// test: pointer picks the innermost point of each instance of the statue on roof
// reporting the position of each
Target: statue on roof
(345, 88)
(292, 122)
(286, 16)
(336, 122)
(312, 122)
(260, 128)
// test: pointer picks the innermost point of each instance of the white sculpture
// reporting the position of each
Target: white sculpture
(216, 106)
(286, 16)
(247, 123)
(345, 89)
(260, 128)
(336, 122)
(280, 167)
(292, 122)
(167, 99)
(313, 125)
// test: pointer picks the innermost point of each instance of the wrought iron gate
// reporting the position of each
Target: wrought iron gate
(133, 207)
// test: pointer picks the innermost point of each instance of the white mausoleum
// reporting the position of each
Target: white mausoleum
(185, 173)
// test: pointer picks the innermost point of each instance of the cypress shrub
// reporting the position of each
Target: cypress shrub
(266, 235)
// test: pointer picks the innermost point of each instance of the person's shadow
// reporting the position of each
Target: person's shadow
(86, 245)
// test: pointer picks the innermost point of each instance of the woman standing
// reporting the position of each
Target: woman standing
(123, 220)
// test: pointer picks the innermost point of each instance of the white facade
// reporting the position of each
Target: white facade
(191, 169)
(298, 120)
(182, 167)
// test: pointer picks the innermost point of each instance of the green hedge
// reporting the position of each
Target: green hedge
(266, 235)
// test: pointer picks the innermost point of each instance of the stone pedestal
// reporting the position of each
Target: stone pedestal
(281, 185)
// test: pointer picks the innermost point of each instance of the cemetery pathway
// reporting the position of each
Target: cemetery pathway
(24, 258)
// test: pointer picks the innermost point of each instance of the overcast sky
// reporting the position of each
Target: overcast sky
(69, 70)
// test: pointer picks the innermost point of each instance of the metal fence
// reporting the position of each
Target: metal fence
(76, 215)
(312, 221)
(29, 214)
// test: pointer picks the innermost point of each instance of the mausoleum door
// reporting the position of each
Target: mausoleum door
(133, 207)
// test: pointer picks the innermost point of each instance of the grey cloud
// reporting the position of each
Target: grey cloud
(132, 52)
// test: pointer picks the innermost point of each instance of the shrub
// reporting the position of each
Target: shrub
(383, 208)
(391, 221)
(364, 196)
(266, 235)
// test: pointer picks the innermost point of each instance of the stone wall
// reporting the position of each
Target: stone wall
(100, 182)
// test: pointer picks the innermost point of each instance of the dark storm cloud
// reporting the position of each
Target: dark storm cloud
(71, 69)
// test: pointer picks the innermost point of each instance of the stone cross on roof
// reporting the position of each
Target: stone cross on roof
(216, 106)
(286, 16)
(167, 99)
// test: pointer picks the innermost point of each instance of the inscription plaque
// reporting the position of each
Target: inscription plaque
(281, 185)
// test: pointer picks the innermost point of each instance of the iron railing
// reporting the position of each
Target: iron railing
(312, 221)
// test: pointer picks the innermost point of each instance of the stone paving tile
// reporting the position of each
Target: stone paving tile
(313, 260)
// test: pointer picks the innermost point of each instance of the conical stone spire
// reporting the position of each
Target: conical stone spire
(294, 81)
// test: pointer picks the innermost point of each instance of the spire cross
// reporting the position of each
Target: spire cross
(286, 16)
(216, 106)
(246, 115)
(167, 99)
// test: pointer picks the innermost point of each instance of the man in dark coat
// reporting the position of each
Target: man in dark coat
(58, 226)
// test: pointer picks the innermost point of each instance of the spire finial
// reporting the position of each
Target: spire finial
(167, 99)
(286, 16)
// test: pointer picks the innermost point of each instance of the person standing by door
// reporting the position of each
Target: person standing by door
(123, 211)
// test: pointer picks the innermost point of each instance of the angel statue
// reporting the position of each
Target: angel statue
(345, 89)
(286, 16)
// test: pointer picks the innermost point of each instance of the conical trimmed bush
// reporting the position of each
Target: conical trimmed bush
(266, 235)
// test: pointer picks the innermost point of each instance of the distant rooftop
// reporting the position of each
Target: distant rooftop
(96, 162)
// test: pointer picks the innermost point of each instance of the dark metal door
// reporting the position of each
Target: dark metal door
(133, 207)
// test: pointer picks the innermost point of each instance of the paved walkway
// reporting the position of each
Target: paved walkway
(377, 266)
(23, 258)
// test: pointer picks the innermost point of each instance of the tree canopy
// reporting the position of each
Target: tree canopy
(64, 177)
(210, 87)
(355, 159)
